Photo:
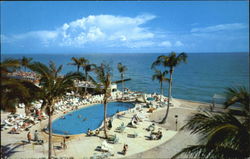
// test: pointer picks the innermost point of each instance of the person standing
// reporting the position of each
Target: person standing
(36, 136)
(125, 149)
(29, 136)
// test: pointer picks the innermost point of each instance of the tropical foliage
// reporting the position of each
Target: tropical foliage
(122, 69)
(87, 67)
(238, 95)
(15, 91)
(78, 62)
(53, 88)
(25, 62)
(161, 77)
(170, 61)
(103, 73)
(223, 135)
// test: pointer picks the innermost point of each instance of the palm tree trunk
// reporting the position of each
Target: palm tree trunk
(105, 116)
(161, 90)
(122, 86)
(27, 109)
(78, 67)
(86, 75)
(50, 133)
(169, 97)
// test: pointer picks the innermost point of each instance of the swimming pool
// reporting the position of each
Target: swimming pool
(79, 121)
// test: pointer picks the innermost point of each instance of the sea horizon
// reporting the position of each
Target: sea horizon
(204, 75)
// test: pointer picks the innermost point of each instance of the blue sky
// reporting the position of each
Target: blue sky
(124, 27)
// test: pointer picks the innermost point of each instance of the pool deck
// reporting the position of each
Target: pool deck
(80, 146)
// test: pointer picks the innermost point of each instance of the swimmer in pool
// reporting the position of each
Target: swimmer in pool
(79, 116)
(84, 119)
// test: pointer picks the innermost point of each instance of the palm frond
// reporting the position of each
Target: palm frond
(205, 151)
(238, 95)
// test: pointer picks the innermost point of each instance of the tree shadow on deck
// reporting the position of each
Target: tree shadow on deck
(9, 149)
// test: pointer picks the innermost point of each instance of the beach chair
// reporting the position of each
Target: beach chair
(120, 129)
(134, 135)
(150, 127)
(105, 147)
(131, 125)
(113, 139)
(102, 155)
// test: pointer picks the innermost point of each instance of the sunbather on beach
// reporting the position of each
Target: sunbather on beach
(13, 130)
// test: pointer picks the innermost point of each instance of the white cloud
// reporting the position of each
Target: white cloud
(165, 44)
(220, 27)
(178, 43)
(106, 29)
(100, 31)
(5, 39)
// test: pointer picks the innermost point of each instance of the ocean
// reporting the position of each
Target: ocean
(204, 74)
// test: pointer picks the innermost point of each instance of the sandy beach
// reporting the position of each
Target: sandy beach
(81, 146)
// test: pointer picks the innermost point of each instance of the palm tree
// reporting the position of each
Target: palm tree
(9, 66)
(122, 69)
(103, 73)
(14, 91)
(171, 61)
(25, 62)
(87, 67)
(238, 95)
(160, 76)
(53, 88)
(223, 136)
(78, 62)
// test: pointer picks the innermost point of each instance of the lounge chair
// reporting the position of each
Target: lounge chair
(105, 147)
(102, 155)
(113, 139)
(131, 125)
(151, 127)
(121, 128)
(134, 135)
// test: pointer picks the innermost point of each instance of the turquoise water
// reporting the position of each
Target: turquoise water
(79, 121)
(204, 74)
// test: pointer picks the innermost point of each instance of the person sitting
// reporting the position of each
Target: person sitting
(97, 132)
(13, 130)
(125, 149)
(159, 135)
(89, 133)
(152, 136)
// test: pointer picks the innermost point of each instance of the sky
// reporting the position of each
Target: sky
(36, 27)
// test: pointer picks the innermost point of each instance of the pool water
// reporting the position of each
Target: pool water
(79, 121)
